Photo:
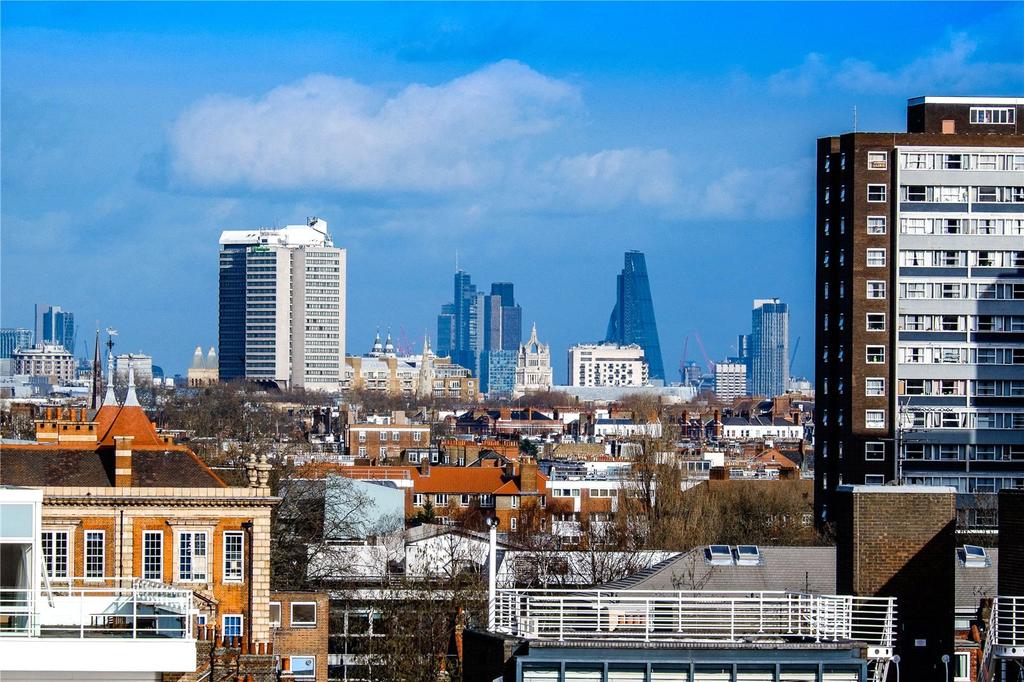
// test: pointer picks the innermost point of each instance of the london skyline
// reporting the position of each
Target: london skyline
(586, 152)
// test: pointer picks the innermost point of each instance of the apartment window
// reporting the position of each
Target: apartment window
(954, 162)
(877, 160)
(874, 479)
(876, 322)
(825, 227)
(231, 625)
(362, 436)
(828, 163)
(55, 552)
(463, 500)
(303, 667)
(487, 500)
(988, 194)
(95, 555)
(418, 499)
(233, 562)
(874, 451)
(515, 502)
(396, 436)
(876, 258)
(951, 291)
(441, 500)
(417, 436)
(874, 386)
(362, 451)
(275, 614)
(874, 419)
(842, 193)
(875, 355)
(876, 193)
(842, 322)
(876, 289)
(913, 387)
(993, 115)
(876, 224)
(153, 555)
(949, 323)
(192, 556)
(513, 522)
(383, 451)
(951, 258)
(303, 614)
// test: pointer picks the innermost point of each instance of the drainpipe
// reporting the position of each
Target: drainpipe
(247, 526)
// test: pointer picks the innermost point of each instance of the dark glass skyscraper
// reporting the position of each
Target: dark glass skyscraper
(632, 319)
(475, 324)
(59, 328)
(231, 312)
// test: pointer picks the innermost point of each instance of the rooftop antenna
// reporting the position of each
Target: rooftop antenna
(854, 118)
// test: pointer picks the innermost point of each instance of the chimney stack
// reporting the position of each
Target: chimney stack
(528, 475)
(123, 461)
(718, 425)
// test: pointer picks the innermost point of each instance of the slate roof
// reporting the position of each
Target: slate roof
(974, 583)
(39, 466)
(795, 569)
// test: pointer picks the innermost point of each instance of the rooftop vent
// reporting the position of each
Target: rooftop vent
(975, 557)
(748, 555)
(718, 555)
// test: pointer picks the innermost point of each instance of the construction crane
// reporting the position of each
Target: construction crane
(792, 357)
(682, 361)
(704, 352)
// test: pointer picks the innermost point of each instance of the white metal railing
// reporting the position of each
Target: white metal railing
(106, 607)
(685, 615)
(1007, 626)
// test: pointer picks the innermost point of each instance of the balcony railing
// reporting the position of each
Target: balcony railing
(1007, 627)
(128, 608)
(697, 616)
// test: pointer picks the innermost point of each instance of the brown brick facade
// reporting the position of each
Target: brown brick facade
(293, 638)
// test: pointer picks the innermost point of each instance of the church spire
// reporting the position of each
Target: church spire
(109, 399)
(131, 400)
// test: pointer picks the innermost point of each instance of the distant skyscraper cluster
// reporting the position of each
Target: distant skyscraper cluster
(54, 325)
(482, 332)
(282, 306)
(632, 319)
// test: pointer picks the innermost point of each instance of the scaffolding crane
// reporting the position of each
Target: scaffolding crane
(704, 352)
(792, 357)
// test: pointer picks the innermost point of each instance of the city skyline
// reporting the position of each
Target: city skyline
(133, 187)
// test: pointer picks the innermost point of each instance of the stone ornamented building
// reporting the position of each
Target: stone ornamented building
(533, 367)
(122, 503)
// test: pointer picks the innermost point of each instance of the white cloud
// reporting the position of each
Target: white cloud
(325, 132)
(482, 145)
(951, 68)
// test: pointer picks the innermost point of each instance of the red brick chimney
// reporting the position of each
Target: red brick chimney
(528, 475)
(718, 425)
(123, 461)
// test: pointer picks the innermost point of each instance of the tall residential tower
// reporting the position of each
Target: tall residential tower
(632, 318)
(769, 347)
(920, 303)
(282, 306)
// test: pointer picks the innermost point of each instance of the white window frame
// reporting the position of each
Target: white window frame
(877, 224)
(512, 523)
(302, 624)
(874, 419)
(418, 499)
(487, 500)
(441, 499)
(875, 289)
(50, 560)
(194, 576)
(515, 501)
(147, 573)
(876, 258)
(868, 322)
(92, 574)
(232, 574)
(868, 354)
(879, 382)
(270, 612)
(878, 161)
(305, 675)
(874, 453)
(241, 624)
(876, 187)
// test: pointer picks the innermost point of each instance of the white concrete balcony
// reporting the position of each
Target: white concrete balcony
(97, 628)
(696, 616)
(1007, 627)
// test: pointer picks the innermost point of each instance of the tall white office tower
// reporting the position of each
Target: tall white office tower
(282, 306)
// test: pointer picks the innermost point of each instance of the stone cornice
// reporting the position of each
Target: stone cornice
(64, 499)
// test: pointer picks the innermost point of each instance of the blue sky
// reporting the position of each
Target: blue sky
(539, 141)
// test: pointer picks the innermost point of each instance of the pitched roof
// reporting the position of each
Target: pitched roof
(459, 480)
(797, 569)
(773, 456)
(973, 583)
(40, 466)
(131, 420)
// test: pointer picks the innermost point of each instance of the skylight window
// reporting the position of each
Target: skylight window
(719, 555)
(748, 555)
(975, 557)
